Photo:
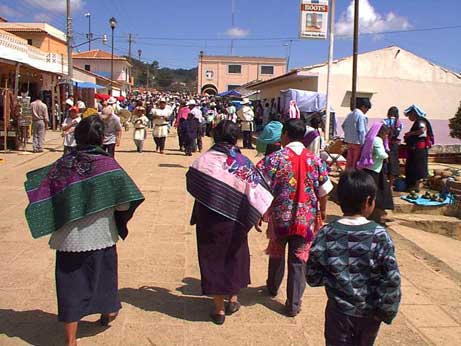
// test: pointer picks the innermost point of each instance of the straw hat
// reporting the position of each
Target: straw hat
(191, 103)
(112, 100)
(246, 101)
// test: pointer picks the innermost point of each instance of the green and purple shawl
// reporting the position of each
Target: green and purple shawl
(81, 183)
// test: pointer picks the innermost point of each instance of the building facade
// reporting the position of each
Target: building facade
(40, 35)
(217, 74)
(98, 61)
(388, 77)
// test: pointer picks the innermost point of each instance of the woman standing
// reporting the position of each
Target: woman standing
(395, 127)
(230, 197)
(161, 115)
(84, 200)
(418, 140)
(269, 140)
(371, 161)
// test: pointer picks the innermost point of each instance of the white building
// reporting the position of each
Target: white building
(390, 76)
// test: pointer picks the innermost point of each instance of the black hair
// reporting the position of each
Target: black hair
(316, 122)
(190, 116)
(90, 131)
(363, 102)
(276, 117)
(354, 187)
(393, 112)
(295, 129)
(383, 131)
(226, 132)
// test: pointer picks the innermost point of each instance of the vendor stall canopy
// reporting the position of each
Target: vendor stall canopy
(230, 93)
(307, 101)
(87, 85)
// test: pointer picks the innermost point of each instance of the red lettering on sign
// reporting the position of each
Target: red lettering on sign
(314, 7)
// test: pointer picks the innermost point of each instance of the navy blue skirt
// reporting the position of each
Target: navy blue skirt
(223, 253)
(86, 283)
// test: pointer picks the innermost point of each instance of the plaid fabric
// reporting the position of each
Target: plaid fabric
(81, 183)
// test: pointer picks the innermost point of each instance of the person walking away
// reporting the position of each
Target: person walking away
(246, 116)
(419, 140)
(189, 130)
(140, 124)
(39, 124)
(394, 125)
(361, 275)
(374, 152)
(68, 129)
(112, 130)
(182, 115)
(232, 112)
(294, 110)
(230, 197)
(300, 185)
(194, 109)
(313, 136)
(210, 117)
(94, 199)
(266, 114)
(160, 116)
(355, 127)
(269, 139)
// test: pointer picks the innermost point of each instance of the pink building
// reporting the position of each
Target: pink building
(217, 74)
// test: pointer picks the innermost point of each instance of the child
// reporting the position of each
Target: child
(354, 259)
(189, 129)
(140, 130)
(68, 128)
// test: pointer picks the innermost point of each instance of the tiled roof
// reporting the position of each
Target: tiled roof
(96, 54)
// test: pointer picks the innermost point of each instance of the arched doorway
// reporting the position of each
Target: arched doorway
(210, 89)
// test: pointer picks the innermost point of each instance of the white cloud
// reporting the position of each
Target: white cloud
(42, 18)
(236, 32)
(6, 12)
(56, 5)
(370, 21)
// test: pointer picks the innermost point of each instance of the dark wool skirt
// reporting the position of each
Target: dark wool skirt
(384, 198)
(416, 166)
(86, 283)
(223, 253)
(393, 164)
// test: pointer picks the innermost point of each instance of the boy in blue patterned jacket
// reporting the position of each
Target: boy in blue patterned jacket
(354, 259)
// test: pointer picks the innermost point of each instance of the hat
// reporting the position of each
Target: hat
(74, 109)
(246, 101)
(106, 112)
(414, 108)
(112, 100)
(191, 103)
(162, 100)
(70, 102)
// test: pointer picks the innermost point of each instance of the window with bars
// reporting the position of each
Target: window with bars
(267, 69)
(235, 69)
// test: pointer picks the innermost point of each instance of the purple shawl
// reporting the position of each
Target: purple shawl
(366, 156)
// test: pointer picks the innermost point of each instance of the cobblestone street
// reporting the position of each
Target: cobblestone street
(159, 275)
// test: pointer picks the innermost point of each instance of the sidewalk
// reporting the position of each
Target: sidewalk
(159, 276)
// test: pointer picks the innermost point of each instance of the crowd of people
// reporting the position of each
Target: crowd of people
(288, 189)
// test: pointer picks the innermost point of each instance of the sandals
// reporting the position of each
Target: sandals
(218, 318)
(232, 308)
(105, 320)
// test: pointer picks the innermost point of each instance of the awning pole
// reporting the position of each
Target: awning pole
(331, 37)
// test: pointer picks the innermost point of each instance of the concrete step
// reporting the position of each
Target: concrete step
(437, 247)
(439, 224)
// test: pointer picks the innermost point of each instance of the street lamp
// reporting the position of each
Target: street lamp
(89, 36)
(113, 24)
(139, 54)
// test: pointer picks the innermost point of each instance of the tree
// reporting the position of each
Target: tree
(164, 78)
(455, 124)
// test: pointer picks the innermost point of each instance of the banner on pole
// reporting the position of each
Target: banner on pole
(314, 19)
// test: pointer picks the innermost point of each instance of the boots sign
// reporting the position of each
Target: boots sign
(314, 19)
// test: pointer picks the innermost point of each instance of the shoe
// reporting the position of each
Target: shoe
(272, 294)
(106, 319)
(217, 318)
(291, 313)
(232, 308)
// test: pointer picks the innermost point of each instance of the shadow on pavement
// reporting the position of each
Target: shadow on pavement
(40, 328)
(151, 298)
(258, 295)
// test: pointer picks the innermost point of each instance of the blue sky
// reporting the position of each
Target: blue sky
(206, 23)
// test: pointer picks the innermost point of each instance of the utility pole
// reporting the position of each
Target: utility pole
(288, 45)
(233, 25)
(70, 70)
(89, 35)
(355, 52)
(331, 34)
(147, 75)
(130, 41)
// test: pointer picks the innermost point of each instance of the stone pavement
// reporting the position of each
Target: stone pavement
(159, 276)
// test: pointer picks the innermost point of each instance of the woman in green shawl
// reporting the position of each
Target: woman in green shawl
(268, 140)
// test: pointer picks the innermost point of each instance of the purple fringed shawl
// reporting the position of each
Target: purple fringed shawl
(366, 156)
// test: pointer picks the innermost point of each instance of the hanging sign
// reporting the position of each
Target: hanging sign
(314, 19)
